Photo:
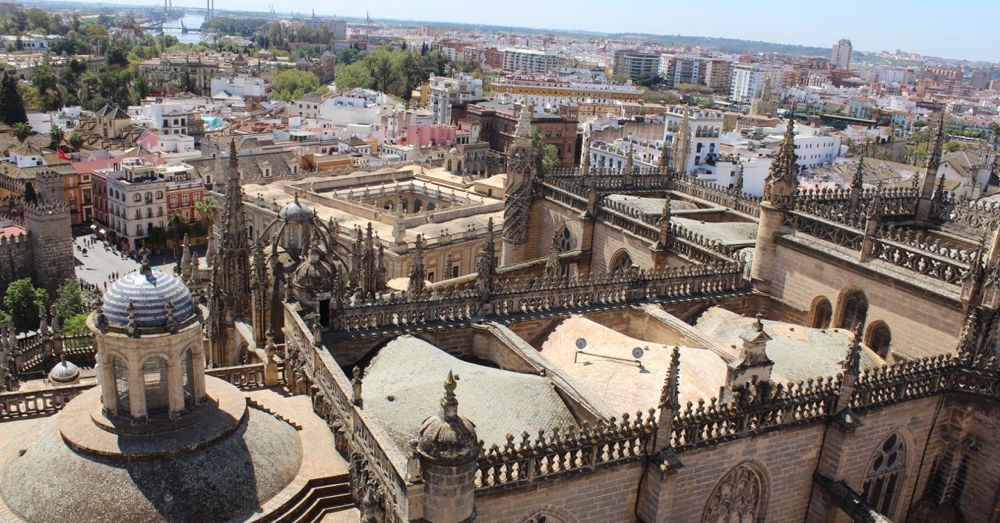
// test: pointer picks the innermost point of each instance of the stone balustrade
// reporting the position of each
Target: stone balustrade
(589, 448)
(756, 408)
(539, 295)
(243, 377)
(44, 402)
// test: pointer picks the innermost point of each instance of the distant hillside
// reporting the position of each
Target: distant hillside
(730, 45)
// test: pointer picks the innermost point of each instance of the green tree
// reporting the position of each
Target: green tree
(75, 140)
(141, 86)
(72, 299)
(55, 137)
(352, 76)
(117, 57)
(157, 236)
(43, 78)
(22, 301)
(292, 84)
(549, 153)
(22, 131)
(207, 210)
(75, 325)
(11, 103)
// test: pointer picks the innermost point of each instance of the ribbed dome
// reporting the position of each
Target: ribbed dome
(149, 293)
(296, 212)
(316, 274)
(64, 372)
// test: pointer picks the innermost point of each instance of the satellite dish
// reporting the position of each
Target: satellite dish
(637, 353)
(581, 343)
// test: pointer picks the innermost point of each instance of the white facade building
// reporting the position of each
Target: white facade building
(841, 56)
(242, 86)
(137, 200)
(446, 92)
(748, 80)
(528, 61)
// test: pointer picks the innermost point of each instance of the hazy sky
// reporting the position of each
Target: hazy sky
(951, 28)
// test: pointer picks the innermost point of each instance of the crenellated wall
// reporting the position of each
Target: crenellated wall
(15, 259)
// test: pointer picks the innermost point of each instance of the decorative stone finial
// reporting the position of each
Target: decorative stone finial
(131, 326)
(359, 374)
(669, 396)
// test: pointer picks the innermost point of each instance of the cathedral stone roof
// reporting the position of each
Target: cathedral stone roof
(798, 352)
(402, 389)
(227, 480)
(152, 293)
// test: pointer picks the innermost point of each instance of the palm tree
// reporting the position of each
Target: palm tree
(177, 223)
(208, 210)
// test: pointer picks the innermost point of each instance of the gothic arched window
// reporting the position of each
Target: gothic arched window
(620, 262)
(879, 339)
(885, 475)
(853, 310)
(822, 313)
(564, 240)
(737, 498)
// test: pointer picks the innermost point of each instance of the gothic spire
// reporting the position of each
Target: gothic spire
(857, 183)
(669, 395)
(783, 179)
(784, 165)
(664, 224)
(931, 169)
(417, 273)
(682, 144)
(630, 160)
(852, 364)
(664, 163)
(934, 158)
(738, 186)
(524, 129)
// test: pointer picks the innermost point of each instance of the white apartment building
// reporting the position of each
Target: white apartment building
(748, 80)
(242, 86)
(306, 107)
(841, 56)
(167, 118)
(530, 61)
(137, 200)
(447, 92)
(679, 69)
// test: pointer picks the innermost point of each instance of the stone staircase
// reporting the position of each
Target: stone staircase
(318, 498)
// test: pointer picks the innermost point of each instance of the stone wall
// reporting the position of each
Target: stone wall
(912, 421)
(786, 458)
(608, 495)
(15, 259)
(920, 324)
(980, 499)
(51, 240)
